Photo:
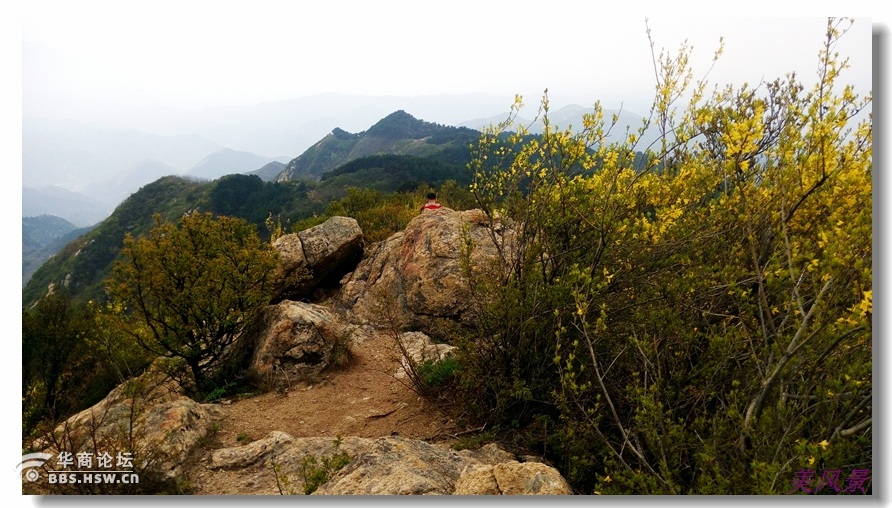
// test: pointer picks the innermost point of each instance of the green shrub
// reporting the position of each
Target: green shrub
(316, 471)
(439, 374)
(693, 319)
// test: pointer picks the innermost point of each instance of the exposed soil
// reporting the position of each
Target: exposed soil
(362, 399)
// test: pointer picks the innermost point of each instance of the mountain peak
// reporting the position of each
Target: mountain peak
(400, 115)
(400, 124)
(398, 133)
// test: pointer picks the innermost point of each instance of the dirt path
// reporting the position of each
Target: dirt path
(364, 399)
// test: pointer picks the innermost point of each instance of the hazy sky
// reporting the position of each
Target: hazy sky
(95, 64)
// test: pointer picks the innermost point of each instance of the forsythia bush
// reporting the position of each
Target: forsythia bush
(692, 316)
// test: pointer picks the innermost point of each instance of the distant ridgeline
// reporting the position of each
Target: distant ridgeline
(43, 236)
(399, 153)
(396, 134)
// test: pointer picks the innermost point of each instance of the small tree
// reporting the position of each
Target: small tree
(53, 339)
(194, 287)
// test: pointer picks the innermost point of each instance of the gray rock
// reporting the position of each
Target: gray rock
(249, 454)
(169, 432)
(148, 415)
(292, 342)
(310, 257)
(490, 454)
(293, 275)
(398, 466)
(332, 243)
(512, 479)
(415, 279)
(387, 466)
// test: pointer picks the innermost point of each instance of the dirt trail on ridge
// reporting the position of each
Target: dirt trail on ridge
(363, 399)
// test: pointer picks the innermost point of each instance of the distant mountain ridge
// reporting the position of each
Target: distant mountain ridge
(70, 154)
(269, 172)
(80, 171)
(43, 229)
(117, 187)
(228, 162)
(87, 158)
(74, 207)
(289, 126)
(570, 117)
(42, 237)
(399, 152)
(398, 133)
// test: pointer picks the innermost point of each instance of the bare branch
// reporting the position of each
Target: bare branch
(758, 402)
(857, 428)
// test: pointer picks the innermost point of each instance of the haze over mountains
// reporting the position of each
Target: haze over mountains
(74, 207)
(398, 153)
(42, 237)
(81, 172)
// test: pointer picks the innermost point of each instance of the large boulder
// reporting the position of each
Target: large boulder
(398, 466)
(149, 416)
(512, 479)
(415, 279)
(316, 255)
(390, 465)
(292, 342)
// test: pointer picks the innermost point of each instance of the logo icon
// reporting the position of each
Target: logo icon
(29, 462)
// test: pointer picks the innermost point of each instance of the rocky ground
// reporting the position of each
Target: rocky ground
(363, 399)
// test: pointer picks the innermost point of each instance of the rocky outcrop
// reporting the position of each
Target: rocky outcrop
(249, 454)
(311, 257)
(415, 277)
(169, 432)
(292, 342)
(148, 415)
(512, 479)
(384, 466)
(398, 466)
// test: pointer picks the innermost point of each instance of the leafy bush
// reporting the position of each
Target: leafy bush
(219, 392)
(316, 472)
(73, 354)
(699, 323)
(193, 287)
(438, 374)
(342, 350)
